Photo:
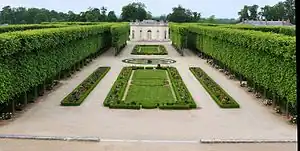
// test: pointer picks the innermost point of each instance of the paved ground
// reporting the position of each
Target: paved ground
(26, 145)
(251, 121)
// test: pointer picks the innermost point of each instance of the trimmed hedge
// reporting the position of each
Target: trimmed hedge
(221, 97)
(120, 34)
(289, 31)
(38, 40)
(266, 60)
(22, 27)
(78, 95)
(29, 58)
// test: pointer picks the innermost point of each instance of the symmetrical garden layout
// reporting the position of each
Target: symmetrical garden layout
(149, 50)
(148, 87)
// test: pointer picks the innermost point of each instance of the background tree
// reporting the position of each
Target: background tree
(244, 13)
(134, 11)
(253, 12)
(111, 17)
(181, 14)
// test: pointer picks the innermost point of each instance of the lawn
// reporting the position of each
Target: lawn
(149, 50)
(161, 88)
(150, 87)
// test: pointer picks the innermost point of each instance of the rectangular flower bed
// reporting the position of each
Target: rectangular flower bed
(77, 96)
(149, 50)
(223, 99)
(149, 89)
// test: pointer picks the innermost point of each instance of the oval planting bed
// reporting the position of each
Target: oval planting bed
(77, 96)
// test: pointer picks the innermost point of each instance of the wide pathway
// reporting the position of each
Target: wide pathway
(251, 121)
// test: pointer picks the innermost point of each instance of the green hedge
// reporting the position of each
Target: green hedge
(120, 34)
(78, 95)
(22, 27)
(38, 40)
(38, 55)
(285, 30)
(266, 59)
(223, 99)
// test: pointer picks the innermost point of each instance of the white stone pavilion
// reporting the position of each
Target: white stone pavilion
(149, 30)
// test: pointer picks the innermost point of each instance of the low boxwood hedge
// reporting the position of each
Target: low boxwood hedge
(223, 99)
(78, 95)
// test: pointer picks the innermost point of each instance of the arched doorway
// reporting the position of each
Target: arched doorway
(149, 35)
(157, 35)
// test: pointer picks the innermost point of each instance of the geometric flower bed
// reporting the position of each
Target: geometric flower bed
(148, 88)
(223, 99)
(77, 96)
(149, 50)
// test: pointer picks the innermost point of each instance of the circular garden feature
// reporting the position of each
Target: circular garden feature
(151, 61)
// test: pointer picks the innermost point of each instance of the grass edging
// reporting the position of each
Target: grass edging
(184, 89)
(233, 103)
(118, 89)
(66, 101)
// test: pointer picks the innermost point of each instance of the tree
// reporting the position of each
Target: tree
(181, 14)
(244, 13)
(149, 15)
(111, 17)
(103, 16)
(253, 12)
(134, 11)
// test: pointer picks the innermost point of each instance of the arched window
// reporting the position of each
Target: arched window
(165, 34)
(132, 34)
(157, 35)
(149, 34)
(141, 34)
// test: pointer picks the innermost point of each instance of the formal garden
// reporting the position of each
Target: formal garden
(34, 58)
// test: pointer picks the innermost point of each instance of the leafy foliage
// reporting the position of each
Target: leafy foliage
(11, 28)
(120, 34)
(267, 59)
(29, 58)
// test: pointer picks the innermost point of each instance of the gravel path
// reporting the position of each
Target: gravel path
(251, 121)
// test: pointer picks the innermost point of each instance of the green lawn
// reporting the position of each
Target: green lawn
(149, 50)
(150, 87)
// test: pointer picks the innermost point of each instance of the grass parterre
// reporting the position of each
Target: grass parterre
(149, 88)
(223, 99)
(149, 50)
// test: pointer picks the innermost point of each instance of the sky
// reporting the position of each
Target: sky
(219, 8)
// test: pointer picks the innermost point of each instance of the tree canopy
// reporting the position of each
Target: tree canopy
(181, 14)
(282, 10)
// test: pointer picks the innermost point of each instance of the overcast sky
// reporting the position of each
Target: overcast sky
(219, 8)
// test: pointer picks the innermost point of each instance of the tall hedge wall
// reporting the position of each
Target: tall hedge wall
(30, 57)
(267, 59)
(11, 28)
(120, 34)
